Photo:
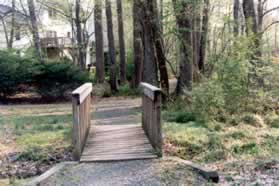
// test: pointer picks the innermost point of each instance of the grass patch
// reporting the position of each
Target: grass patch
(250, 149)
(237, 135)
(37, 135)
(179, 117)
(211, 141)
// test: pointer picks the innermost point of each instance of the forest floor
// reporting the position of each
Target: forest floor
(36, 137)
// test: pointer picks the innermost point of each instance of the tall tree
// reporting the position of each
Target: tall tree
(150, 66)
(138, 44)
(79, 36)
(100, 67)
(159, 45)
(196, 34)
(252, 25)
(121, 42)
(35, 30)
(183, 14)
(236, 12)
(112, 59)
(204, 35)
(11, 41)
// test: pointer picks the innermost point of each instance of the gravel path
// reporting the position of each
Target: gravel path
(129, 173)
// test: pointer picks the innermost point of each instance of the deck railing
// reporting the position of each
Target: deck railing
(151, 115)
(81, 100)
(58, 42)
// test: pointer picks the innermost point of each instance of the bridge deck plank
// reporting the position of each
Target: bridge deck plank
(117, 142)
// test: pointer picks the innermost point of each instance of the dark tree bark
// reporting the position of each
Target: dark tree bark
(252, 25)
(182, 12)
(196, 35)
(204, 35)
(100, 67)
(236, 11)
(79, 33)
(150, 69)
(11, 41)
(159, 44)
(5, 30)
(138, 44)
(250, 16)
(121, 42)
(112, 59)
(35, 30)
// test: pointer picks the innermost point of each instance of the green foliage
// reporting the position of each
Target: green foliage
(126, 90)
(15, 74)
(275, 123)
(249, 148)
(33, 153)
(52, 79)
(237, 135)
(179, 117)
(130, 65)
(208, 99)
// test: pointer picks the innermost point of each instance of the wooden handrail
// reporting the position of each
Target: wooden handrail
(151, 115)
(81, 100)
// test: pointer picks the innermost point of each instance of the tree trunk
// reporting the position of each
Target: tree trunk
(184, 25)
(35, 30)
(100, 67)
(159, 44)
(150, 68)
(204, 35)
(138, 44)
(196, 35)
(236, 11)
(80, 44)
(113, 77)
(121, 42)
(252, 25)
(5, 30)
(11, 41)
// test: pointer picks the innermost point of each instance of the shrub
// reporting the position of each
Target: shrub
(15, 74)
(55, 79)
(51, 80)
(208, 99)
(102, 90)
(126, 90)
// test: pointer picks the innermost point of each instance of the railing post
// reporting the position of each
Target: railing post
(81, 100)
(151, 115)
(76, 141)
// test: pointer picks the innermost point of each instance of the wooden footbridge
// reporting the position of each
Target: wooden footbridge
(111, 142)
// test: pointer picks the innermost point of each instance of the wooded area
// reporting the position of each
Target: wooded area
(216, 62)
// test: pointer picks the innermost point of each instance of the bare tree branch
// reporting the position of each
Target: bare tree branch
(270, 10)
(270, 25)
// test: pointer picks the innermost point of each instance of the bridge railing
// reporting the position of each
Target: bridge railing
(81, 101)
(151, 115)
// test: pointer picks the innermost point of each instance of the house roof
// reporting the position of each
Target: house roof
(6, 10)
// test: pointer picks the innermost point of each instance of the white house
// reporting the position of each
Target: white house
(55, 30)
